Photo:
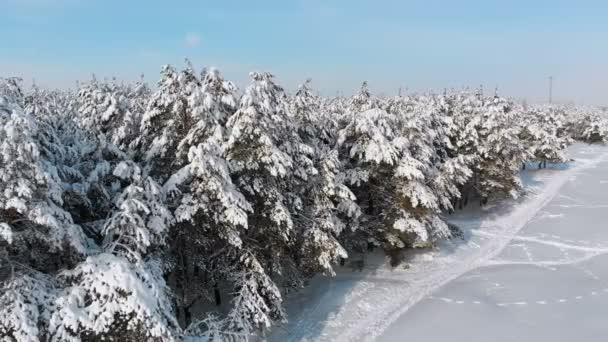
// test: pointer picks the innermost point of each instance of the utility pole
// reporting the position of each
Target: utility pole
(399, 91)
(550, 89)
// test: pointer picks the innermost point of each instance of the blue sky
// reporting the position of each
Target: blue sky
(421, 45)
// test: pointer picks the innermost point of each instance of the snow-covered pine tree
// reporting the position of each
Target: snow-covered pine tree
(255, 149)
(141, 220)
(328, 205)
(66, 147)
(119, 293)
(31, 188)
(167, 120)
(260, 154)
(464, 109)
(211, 105)
(363, 100)
(257, 302)
(424, 177)
(37, 236)
(544, 134)
(128, 129)
(107, 297)
(212, 222)
(421, 143)
(367, 147)
(587, 124)
(104, 110)
(501, 152)
(306, 108)
(80, 165)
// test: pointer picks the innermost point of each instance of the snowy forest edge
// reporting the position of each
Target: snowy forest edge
(130, 214)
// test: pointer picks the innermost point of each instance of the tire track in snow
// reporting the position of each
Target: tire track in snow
(557, 244)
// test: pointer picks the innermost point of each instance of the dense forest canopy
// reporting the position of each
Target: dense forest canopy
(137, 215)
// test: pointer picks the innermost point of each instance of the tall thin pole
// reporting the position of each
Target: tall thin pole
(550, 89)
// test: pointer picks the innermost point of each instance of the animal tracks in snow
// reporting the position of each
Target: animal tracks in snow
(522, 303)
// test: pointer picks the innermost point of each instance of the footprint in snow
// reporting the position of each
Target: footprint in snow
(519, 303)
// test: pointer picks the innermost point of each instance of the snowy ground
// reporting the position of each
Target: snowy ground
(531, 270)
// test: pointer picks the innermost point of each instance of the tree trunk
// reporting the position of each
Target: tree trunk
(269, 265)
(187, 316)
(176, 305)
(181, 281)
(217, 294)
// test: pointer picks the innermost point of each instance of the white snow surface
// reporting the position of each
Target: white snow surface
(525, 271)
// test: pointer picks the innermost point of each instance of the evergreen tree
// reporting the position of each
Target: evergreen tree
(260, 156)
(37, 236)
(501, 152)
(167, 120)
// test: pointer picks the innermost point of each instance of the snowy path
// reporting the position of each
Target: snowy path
(363, 306)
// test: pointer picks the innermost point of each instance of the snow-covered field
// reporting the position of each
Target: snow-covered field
(531, 269)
